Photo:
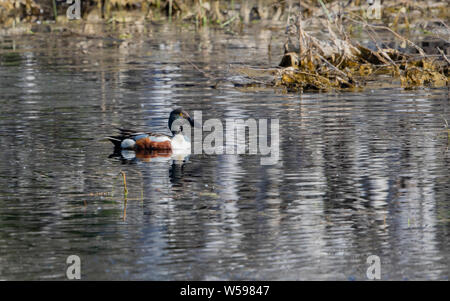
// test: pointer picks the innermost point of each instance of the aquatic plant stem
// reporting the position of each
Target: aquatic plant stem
(325, 10)
(125, 190)
(55, 13)
(107, 9)
(170, 10)
(228, 21)
(443, 55)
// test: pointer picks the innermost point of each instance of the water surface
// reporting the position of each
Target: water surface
(362, 173)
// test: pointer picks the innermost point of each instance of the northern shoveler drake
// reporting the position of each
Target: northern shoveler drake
(147, 141)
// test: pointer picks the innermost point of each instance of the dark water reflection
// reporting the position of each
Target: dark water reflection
(359, 173)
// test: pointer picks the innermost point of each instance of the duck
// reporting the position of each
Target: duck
(147, 141)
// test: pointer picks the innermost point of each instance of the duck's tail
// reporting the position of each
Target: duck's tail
(116, 140)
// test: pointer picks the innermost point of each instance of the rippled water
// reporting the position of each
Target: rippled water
(359, 173)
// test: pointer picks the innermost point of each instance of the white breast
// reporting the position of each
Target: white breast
(179, 141)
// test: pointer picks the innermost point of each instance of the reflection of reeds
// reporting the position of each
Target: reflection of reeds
(125, 210)
(447, 130)
(125, 189)
(125, 195)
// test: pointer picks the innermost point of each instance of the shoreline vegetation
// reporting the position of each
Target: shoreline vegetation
(330, 45)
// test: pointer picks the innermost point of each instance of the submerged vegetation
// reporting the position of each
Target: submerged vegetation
(331, 45)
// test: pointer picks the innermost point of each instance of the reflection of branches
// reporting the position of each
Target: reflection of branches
(206, 74)
(199, 70)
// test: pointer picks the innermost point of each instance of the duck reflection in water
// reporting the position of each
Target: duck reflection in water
(128, 156)
(178, 161)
